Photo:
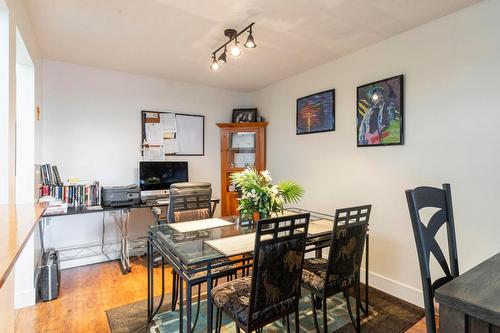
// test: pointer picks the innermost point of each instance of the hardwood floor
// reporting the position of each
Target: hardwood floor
(86, 292)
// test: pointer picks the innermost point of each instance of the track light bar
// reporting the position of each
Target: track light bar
(234, 48)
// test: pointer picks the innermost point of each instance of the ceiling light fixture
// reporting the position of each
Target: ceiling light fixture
(215, 65)
(250, 43)
(223, 56)
(234, 49)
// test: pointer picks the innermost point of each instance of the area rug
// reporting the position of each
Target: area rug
(387, 314)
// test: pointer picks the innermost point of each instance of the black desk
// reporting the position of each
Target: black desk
(471, 302)
(121, 216)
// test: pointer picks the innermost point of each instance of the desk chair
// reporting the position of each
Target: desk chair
(425, 239)
(273, 290)
(189, 202)
(340, 272)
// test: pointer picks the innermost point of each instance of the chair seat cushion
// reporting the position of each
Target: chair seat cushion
(233, 298)
(313, 277)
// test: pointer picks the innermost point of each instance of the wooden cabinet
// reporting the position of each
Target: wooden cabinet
(241, 145)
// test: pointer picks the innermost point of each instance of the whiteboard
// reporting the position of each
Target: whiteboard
(190, 134)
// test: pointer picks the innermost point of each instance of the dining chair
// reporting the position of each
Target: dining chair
(425, 240)
(272, 292)
(340, 272)
(189, 201)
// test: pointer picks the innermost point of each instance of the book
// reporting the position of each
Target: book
(73, 193)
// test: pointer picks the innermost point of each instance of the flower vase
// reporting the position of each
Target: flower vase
(255, 217)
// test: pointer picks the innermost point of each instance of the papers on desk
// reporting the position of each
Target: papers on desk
(231, 246)
(199, 225)
(61, 208)
(320, 226)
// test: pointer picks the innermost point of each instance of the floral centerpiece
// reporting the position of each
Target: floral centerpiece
(260, 196)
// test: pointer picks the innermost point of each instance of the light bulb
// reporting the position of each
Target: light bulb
(235, 49)
(215, 65)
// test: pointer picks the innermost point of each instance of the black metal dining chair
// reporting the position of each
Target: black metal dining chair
(272, 292)
(340, 272)
(191, 201)
(425, 239)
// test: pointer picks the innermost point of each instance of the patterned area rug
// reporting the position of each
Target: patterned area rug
(388, 314)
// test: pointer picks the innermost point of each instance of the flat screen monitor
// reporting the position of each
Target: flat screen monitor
(160, 175)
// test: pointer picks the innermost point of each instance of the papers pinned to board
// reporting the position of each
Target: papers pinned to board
(160, 135)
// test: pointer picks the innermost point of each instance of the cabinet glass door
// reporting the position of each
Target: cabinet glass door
(242, 149)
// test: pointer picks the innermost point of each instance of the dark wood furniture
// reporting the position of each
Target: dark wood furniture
(241, 144)
(471, 302)
(340, 272)
(425, 240)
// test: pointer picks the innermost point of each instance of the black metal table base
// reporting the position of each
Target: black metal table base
(182, 274)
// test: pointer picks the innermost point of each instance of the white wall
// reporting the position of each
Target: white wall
(17, 20)
(92, 130)
(452, 80)
(4, 103)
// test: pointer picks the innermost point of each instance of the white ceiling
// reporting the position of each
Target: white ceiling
(174, 38)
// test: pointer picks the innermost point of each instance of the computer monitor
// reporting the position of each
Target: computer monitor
(156, 177)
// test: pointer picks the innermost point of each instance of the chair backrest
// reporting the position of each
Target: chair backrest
(189, 197)
(277, 267)
(346, 248)
(431, 197)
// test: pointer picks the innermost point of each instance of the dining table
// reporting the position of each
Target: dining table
(203, 251)
(470, 303)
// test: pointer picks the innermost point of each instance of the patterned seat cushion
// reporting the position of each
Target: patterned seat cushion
(313, 277)
(233, 298)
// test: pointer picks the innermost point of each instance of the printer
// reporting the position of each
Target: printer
(121, 196)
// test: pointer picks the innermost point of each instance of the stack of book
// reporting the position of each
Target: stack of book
(74, 192)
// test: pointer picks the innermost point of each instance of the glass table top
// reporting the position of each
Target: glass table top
(190, 247)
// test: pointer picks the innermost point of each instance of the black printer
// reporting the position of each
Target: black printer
(121, 196)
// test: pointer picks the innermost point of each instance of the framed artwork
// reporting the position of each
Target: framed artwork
(244, 115)
(379, 113)
(316, 113)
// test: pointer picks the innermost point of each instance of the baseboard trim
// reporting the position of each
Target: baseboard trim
(395, 288)
(25, 298)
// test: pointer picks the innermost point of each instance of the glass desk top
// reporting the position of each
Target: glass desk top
(190, 247)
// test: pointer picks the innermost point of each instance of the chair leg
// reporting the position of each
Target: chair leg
(348, 303)
(314, 313)
(217, 315)
(297, 326)
(219, 320)
(358, 306)
(288, 324)
(175, 289)
(325, 319)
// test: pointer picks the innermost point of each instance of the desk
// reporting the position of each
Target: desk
(121, 216)
(196, 262)
(471, 302)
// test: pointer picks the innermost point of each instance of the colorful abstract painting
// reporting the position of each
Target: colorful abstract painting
(316, 113)
(379, 113)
